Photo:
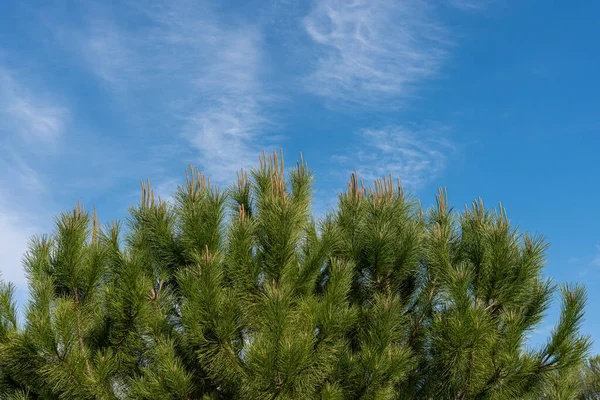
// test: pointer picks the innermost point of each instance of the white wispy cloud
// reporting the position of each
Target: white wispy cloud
(106, 53)
(32, 119)
(373, 51)
(202, 75)
(33, 115)
(230, 132)
(375, 54)
(18, 174)
(21, 191)
(596, 260)
(415, 155)
(15, 231)
(470, 5)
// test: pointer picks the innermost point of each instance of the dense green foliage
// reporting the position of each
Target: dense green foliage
(589, 383)
(242, 294)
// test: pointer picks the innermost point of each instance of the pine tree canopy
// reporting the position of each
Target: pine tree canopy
(243, 294)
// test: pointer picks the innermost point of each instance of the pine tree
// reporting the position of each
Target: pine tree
(243, 294)
(589, 375)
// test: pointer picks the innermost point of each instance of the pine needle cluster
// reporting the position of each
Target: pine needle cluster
(243, 294)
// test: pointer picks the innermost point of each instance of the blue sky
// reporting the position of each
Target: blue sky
(491, 98)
